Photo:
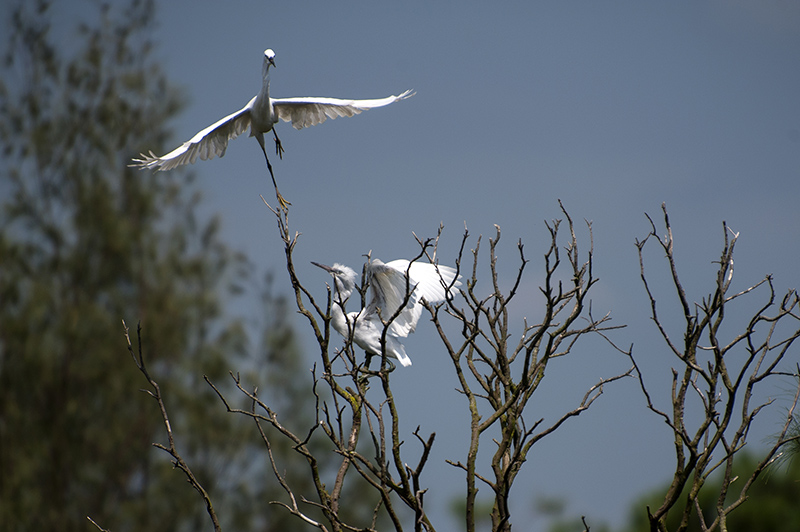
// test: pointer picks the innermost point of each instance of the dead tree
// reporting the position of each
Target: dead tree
(713, 401)
(499, 372)
(357, 409)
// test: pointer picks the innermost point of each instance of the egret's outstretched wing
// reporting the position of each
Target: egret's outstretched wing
(388, 283)
(388, 291)
(310, 111)
(207, 144)
(431, 279)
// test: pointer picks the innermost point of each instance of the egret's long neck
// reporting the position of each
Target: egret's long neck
(262, 116)
(265, 80)
(339, 320)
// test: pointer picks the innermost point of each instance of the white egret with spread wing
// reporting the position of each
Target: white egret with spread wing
(389, 284)
(260, 115)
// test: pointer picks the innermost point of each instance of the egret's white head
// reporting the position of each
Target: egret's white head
(344, 278)
(269, 57)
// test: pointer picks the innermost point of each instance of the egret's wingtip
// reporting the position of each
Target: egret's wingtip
(146, 161)
(407, 94)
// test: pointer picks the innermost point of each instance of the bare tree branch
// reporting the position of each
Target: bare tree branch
(505, 375)
(718, 378)
(170, 449)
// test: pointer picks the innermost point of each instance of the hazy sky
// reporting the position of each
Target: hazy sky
(612, 107)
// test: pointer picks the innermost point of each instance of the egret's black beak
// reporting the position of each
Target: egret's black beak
(326, 268)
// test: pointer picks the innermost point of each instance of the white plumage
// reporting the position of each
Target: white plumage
(260, 115)
(388, 289)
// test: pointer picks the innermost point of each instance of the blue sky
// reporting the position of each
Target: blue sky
(612, 107)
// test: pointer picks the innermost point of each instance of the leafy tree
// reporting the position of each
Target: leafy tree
(84, 242)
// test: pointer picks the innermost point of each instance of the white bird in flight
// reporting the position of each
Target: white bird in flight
(388, 288)
(261, 114)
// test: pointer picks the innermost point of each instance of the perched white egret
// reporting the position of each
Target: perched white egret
(388, 288)
(261, 114)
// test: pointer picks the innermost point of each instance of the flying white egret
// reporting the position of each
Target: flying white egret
(261, 114)
(388, 288)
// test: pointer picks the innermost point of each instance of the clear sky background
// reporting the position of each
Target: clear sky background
(612, 107)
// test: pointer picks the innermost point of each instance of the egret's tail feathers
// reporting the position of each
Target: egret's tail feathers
(404, 359)
(397, 350)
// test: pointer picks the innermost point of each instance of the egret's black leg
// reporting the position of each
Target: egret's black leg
(278, 145)
(284, 204)
(389, 364)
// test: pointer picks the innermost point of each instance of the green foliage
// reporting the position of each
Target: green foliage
(85, 242)
(771, 505)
